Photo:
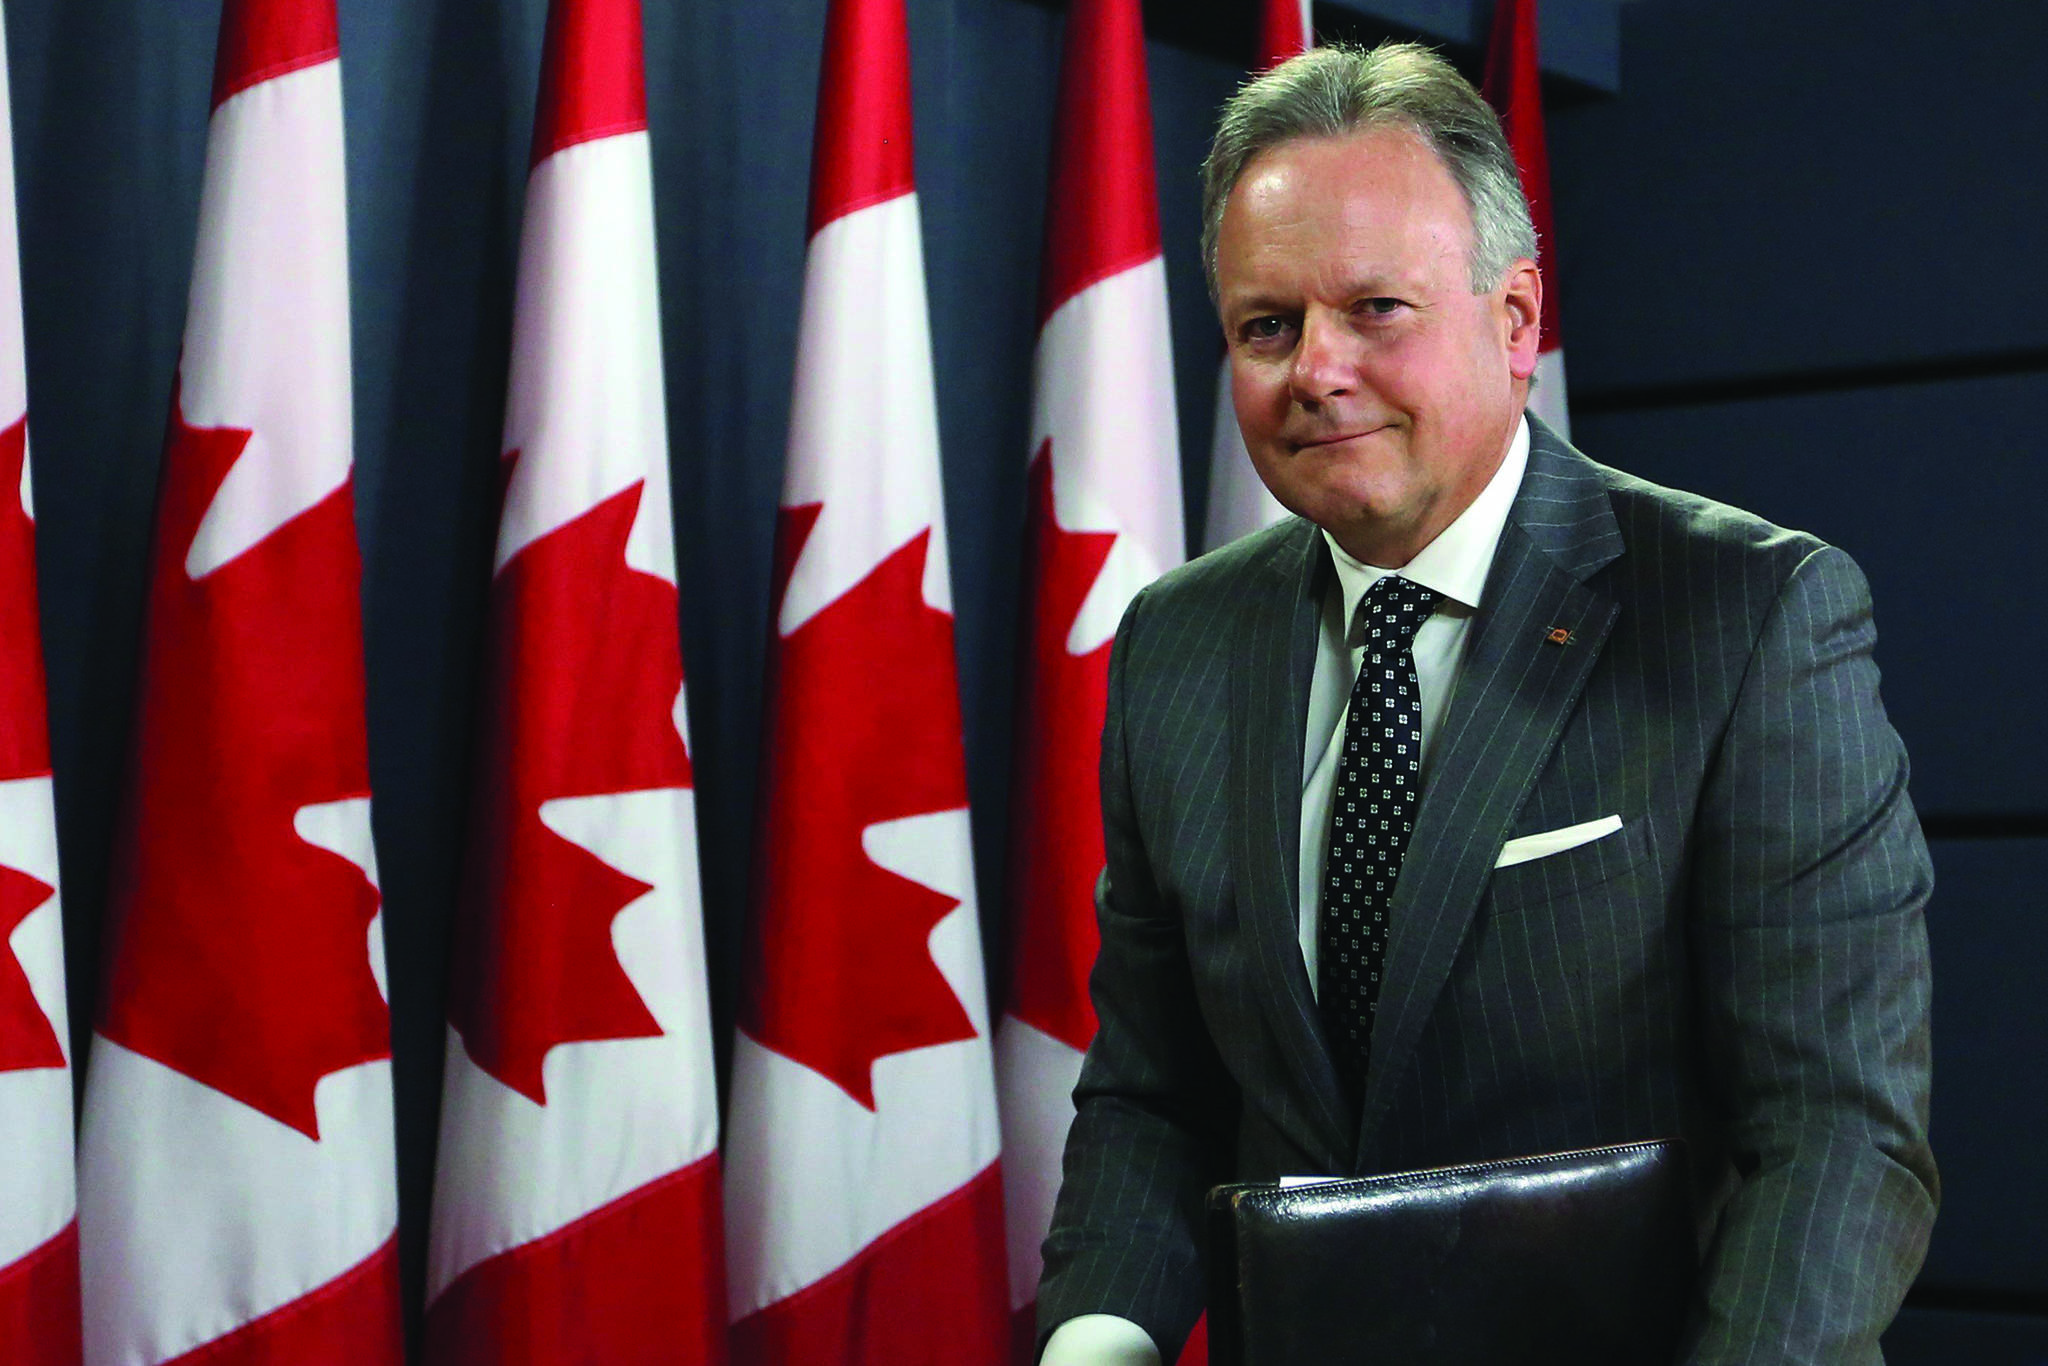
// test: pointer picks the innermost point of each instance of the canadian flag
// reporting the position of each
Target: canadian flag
(1103, 519)
(576, 1210)
(863, 1205)
(237, 1192)
(1514, 87)
(38, 1198)
(1238, 500)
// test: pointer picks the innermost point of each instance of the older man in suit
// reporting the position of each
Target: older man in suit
(1500, 802)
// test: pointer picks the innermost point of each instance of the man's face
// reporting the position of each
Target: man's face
(1377, 393)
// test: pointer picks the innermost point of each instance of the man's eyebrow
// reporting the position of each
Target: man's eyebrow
(1370, 284)
(1258, 303)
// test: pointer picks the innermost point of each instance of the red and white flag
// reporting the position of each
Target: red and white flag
(1238, 500)
(576, 1211)
(1103, 520)
(237, 1190)
(1286, 29)
(38, 1201)
(863, 1204)
(1514, 87)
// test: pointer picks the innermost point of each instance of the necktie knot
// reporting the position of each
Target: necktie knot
(1393, 610)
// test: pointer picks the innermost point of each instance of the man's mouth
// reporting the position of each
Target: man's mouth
(1336, 438)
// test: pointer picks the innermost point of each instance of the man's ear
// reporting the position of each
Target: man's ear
(1522, 313)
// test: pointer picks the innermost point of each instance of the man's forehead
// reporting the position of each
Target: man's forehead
(1389, 162)
(1376, 204)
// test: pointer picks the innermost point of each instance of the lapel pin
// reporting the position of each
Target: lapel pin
(1559, 635)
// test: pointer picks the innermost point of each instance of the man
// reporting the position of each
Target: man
(1608, 839)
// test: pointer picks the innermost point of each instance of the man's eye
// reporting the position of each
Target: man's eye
(1264, 329)
(1379, 307)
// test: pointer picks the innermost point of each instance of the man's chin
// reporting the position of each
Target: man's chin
(1349, 504)
(1379, 531)
(1356, 481)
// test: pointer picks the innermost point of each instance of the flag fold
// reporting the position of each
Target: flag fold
(576, 1199)
(39, 1310)
(1103, 518)
(237, 1185)
(862, 1200)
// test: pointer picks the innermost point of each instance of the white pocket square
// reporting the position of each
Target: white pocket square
(1549, 842)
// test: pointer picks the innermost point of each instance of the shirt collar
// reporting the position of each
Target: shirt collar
(1456, 563)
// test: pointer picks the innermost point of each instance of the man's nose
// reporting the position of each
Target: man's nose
(1325, 359)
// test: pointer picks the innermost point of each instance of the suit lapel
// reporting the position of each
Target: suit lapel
(1269, 706)
(1515, 689)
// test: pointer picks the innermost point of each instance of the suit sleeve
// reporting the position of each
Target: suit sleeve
(1154, 1109)
(1809, 881)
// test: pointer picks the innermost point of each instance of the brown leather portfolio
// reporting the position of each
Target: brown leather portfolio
(1586, 1258)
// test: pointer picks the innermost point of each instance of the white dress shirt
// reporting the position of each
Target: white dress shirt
(1455, 564)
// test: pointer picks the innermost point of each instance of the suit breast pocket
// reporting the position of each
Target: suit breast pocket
(1572, 872)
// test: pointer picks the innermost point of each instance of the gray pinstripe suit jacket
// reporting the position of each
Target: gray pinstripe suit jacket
(1744, 963)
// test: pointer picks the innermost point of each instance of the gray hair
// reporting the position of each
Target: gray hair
(1337, 90)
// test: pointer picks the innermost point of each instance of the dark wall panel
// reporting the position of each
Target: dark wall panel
(1579, 40)
(1935, 489)
(1789, 187)
(1943, 1337)
(1988, 928)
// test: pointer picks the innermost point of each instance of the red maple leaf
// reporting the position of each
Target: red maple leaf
(864, 727)
(584, 671)
(240, 953)
(1056, 826)
(26, 1036)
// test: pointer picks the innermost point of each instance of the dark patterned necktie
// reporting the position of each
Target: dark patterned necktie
(1379, 778)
